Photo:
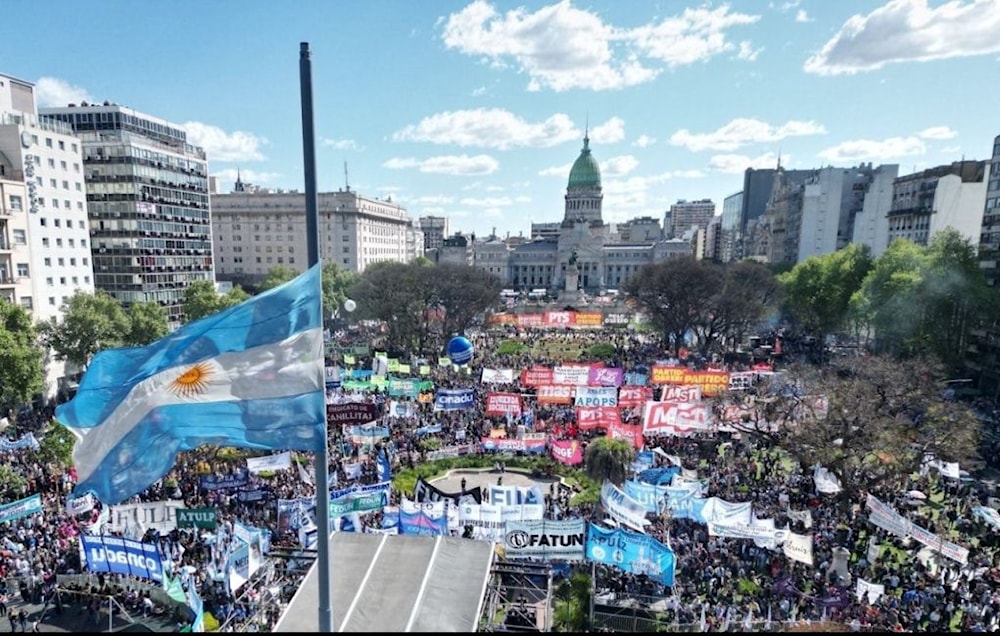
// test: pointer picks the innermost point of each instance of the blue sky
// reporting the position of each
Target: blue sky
(476, 109)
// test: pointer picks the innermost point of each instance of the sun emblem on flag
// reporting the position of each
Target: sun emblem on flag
(192, 381)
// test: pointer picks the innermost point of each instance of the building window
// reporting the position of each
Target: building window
(47, 262)
(52, 300)
(45, 241)
(62, 145)
(86, 279)
(22, 270)
(61, 261)
(48, 281)
(52, 163)
(26, 302)
(55, 222)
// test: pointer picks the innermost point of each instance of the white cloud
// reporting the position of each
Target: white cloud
(872, 150)
(228, 176)
(222, 146)
(556, 171)
(747, 52)
(937, 133)
(478, 92)
(52, 91)
(802, 16)
(494, 202)
(643, 141)
(742, 132)
(910, 31)
(560, 47)
(456, 165)
(434, 200)
(619, 166)
(632, 195)
(490, 128)
(610, 132)
(342, 144)
(737, 164)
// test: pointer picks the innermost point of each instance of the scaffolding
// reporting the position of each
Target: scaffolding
(518, 597)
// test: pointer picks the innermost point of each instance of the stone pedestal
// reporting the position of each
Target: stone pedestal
(571, 293)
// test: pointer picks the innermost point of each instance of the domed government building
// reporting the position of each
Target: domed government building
(604, 255)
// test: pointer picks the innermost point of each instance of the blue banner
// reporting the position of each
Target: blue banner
(430, 429)
(636, 379)
(649, 495)
(21, 508)
(361, 374)
(376, 432)
(454, 399)
(420, 523)
(122, 556)
(631, 551)
(225, 482)
(659, 476)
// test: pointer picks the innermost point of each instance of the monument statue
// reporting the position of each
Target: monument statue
(572, 259)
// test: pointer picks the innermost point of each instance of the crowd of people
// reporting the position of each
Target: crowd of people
(720, 583)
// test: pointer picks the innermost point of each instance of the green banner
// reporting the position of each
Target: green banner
(402, 386)
(443, 362)
(424, 370)
(425, 385)
(356, 385)
(348, 359)
(362, 503)
(205, 518)
(392, 365)
(361, 350)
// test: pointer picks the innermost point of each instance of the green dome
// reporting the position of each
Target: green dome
(585, 172)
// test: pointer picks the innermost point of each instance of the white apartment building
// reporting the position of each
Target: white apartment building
(685, 215)
(871, 225)
(15, 254)
(929, 201)
(49, 216)
(253, 230)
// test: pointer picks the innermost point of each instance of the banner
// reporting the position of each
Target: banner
(425, 492)
(352, 413)
(80, 505)
(623, 508)
(590, 417)
(503, 404)
(515, 495)
(631, 552)
(238, 567)
(497, 376)
(454, 399)
(122, 556)
(399, 408)
(148, 515)
(650, 496)
(422, 523)
(630, 432)
(197, 518)
(499, 445)
(798, 547)
(21, 508)
(547, 540)
(681, 393)
(596, 396)
(605, 376)
(762, 533)
(826, 482)
(358, 502)
(571, 374)
(553, 394)
(269, 463)
(989, 515)
(224, 482)
(536, 376)
(489, 520)
(26, 441)
(568, 452)
(675, 418)
(885, 517)
(634, 397)
(710, 382)
(805, 516)
(873, 591)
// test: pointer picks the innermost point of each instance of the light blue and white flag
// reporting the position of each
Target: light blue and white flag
(250, 376)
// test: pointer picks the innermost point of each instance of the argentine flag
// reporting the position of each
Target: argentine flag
(250, 376)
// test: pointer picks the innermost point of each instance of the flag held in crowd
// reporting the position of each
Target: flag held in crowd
(250, 376)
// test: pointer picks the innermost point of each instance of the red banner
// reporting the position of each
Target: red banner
(675, 418)
(560, 318)
(631, 397)
(530, 320)
(589, 417)
(553, 394)
(503, 404)
(630, 432)
(567, 451)
(536, 376)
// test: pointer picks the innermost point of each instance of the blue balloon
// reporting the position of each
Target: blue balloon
(460, 350)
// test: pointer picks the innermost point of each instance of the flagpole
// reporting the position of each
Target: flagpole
(325, 604)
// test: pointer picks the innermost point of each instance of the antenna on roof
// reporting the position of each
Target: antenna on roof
(347, 184)
(586, 126)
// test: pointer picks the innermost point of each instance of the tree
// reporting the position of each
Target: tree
(277, 275)
(869, 420)
(571, 610)
(462, 291)
(749, 291)
(399, 295)
(675, 294)
(337, 281)
(818, 291)
(90, 322)
(147, 323)
(608, 459)
(12, 483)
(56, 445)
(22, 369)
(201, 299)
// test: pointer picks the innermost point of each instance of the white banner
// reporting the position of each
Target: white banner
(826, 482)
(80, 505)
(489, 521)
(747, 531)
(270, 463)
(576, 375)
(596, 396)
(872, 590)
(675, 418)
(681, 393)
(948, 469)
(798, 547)
(805, 516)
(623, 508)
(497, 376)
(155, 515)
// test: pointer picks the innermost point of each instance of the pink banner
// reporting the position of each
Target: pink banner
(675, 418)
(503, 404)
(606, 376)
(567, 451)
(630, 397)
(630, 432)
